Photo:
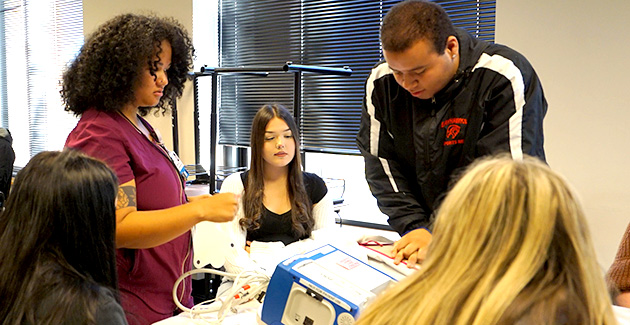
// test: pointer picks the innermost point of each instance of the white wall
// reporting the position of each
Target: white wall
(580, 49)
(96, 12)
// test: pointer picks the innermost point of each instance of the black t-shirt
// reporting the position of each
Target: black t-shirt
(277, 227)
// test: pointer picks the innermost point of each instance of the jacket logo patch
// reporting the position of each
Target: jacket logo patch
(453, 127)
(452, 131)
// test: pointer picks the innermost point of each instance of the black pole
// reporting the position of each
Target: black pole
(213, 136)
(297, 109)
(175, 126)
(196, 120)
(289, 66)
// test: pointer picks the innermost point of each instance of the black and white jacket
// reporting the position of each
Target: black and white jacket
(7, 158)
(413, 147)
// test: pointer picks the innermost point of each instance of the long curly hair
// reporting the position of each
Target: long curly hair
(302, 221)
(104, 73)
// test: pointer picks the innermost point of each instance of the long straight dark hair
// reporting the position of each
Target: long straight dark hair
(58, 240)
(302, 221)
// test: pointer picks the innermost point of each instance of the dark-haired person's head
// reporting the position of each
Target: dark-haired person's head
(410, 21)
(109, 67)
(259, 136)
(420, 47)
(275, 145)
(58, 238)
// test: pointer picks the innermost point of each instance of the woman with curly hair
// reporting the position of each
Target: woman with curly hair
(510, 246)
(280, 203)
(129, 66)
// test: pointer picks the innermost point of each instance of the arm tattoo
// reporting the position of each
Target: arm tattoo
(126, 197)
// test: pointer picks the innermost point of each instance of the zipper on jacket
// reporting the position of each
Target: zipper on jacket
(427, 145)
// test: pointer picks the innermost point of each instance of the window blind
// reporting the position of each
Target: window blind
(330, 33)
(37, 40)
(255, 33)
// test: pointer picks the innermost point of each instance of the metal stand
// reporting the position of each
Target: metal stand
(262, 71)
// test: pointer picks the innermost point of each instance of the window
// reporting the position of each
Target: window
(330, 33)
(37, 40)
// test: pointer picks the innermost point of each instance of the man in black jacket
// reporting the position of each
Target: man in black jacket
(441, 99)
(7, 158)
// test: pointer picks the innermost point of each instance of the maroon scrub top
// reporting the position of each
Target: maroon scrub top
(145, 276)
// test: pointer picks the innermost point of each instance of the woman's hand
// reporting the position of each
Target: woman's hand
(220, 207)
(146, 229)
(198, 197)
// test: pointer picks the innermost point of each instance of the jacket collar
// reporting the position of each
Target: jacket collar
(470, 49)
(5, 134)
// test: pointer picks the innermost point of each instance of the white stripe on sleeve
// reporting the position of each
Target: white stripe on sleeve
(388, 172)
(375, 126)
(511, 72)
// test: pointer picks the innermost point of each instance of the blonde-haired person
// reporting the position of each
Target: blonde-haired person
(510, 246)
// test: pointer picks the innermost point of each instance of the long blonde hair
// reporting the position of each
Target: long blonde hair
(510, 245)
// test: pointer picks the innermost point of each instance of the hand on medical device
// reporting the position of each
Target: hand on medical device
(219, 207)
(412, 247)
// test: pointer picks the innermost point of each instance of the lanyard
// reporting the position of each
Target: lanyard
(171, 155)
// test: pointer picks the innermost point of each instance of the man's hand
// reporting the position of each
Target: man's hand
(623, 299)
(412, 247)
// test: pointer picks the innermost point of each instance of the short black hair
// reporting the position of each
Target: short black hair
(104, 73)
(410, 21)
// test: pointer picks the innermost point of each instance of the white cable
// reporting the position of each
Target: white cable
(247, 285)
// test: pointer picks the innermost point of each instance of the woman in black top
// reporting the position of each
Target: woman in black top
(280, 203)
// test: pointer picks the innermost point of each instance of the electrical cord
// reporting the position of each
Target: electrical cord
(247, 285)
